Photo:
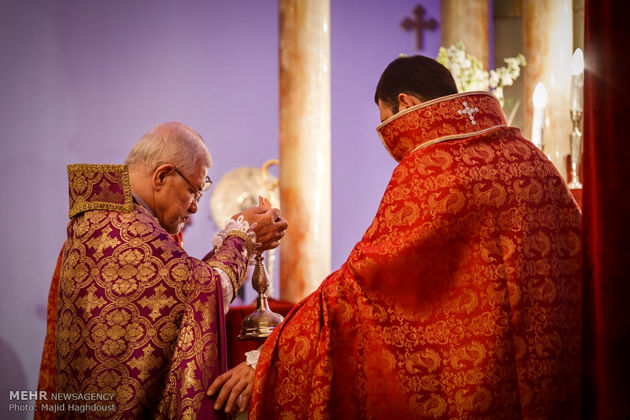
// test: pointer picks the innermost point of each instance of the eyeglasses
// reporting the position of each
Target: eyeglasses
(198, 192)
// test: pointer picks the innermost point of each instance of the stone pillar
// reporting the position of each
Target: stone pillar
(467, 21)
(548, 47)
(304, 131)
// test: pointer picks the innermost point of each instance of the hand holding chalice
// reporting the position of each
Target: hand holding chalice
(263, 321)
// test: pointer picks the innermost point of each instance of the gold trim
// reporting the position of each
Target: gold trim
(431, 102)
(425, 104)
(236, 285)
(230, 273)
(250, 244)
(81, 206)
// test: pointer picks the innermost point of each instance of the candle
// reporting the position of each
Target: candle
(540, 102)
(577, 80)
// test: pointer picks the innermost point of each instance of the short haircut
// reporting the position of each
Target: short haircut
(415, 75)
(170, 142)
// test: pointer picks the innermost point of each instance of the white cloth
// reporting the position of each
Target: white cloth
(241, 225)
(252, 357)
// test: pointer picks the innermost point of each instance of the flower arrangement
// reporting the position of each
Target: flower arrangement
(470, 75)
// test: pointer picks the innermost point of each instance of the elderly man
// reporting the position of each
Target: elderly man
(462, 299)
(138, 319)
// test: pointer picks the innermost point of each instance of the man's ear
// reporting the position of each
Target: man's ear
(159, 176)
(406, 101)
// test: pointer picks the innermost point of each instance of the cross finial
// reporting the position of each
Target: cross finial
(419, 24)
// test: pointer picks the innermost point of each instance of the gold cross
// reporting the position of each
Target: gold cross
(157, 302)
(98, 244)
(206, 310)
(168, 248)
(190, 379)
(90, 302)
(146, 363)
(83, 363)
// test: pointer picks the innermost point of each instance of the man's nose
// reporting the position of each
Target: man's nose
(193, 207)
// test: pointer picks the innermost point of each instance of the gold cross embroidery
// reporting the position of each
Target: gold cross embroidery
(146, 363)
(90, 301)
(157, 302)
(190, 381)
(83, 363)
(205, 310)
(167, 254)
(104, 241)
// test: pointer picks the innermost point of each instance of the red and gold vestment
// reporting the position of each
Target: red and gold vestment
(463, 298)
(136, 316)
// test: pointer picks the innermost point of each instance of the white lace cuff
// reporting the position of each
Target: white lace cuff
(252, 357)
(240, 225)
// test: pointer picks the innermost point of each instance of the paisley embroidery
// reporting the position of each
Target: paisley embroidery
(462, 300)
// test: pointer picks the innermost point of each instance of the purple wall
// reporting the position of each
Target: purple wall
(81, 81)
(364, 39)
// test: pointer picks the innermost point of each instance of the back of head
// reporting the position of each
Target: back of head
(416, 75)
(170, 142)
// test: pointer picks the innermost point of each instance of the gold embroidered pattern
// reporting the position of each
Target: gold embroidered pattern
(136, 315)
(246, 238)
(400, 134)
(463, 298)
(99, 187)
(223, 257)
(234, 281)
(104, 241)
(157, 302)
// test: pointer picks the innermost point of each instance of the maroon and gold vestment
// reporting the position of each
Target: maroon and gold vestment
(136, 316)
(463, 298)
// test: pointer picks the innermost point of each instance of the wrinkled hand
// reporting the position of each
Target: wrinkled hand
(236, 388)
(267, 223)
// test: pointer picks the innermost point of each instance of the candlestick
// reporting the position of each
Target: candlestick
(577, 89)
(540, 102)
(577, 80)
(576, 150)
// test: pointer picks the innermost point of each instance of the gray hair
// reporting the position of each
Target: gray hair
(170, 142)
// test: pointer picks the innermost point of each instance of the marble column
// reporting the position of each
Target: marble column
(467, 21)
(304, 130)
(548, 47)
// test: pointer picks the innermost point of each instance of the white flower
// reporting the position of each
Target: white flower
(469, 74)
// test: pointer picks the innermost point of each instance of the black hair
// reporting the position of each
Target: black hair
(415, 75)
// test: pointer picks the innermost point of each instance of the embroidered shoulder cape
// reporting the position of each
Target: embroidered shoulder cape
(462, 299)
(136, 316)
